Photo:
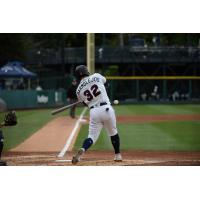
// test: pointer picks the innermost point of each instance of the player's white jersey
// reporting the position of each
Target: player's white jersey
(91, 90)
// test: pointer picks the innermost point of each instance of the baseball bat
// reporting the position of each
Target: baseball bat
(64, 108)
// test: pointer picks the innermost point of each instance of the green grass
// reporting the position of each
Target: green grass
(176, 136)
(29, 122)
(157, 109)
(171, 135)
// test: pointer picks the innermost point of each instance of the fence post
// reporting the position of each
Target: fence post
(190, 89)
(164, 89)
(137, 89)
(164, 84)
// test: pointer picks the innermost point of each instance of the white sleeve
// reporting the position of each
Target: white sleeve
(102, 78)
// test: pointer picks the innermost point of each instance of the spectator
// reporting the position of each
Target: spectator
(100, 50)
(144, 96)
(155, 94)
(38, 88)
(175, 96)
(21, 85)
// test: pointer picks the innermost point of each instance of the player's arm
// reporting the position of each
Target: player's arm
(79, 99)
(107, 85)
(103, 79)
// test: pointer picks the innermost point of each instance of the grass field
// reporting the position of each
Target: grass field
(170, 135)
(156, 109)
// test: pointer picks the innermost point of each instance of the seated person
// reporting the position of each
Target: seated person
(155, 94)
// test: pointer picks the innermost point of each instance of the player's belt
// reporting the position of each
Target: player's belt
(101, 104)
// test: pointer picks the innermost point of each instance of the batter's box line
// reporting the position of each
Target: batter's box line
(63, 161)
(70, 139)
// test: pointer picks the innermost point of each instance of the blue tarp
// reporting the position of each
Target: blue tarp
(15, 69)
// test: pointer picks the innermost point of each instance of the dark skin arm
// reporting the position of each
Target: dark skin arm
(107, 85)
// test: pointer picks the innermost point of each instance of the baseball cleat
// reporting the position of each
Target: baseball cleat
(76, 158)
(118, 157)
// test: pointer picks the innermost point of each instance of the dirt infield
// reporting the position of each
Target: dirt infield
(105, 158)
(43, 147)
(50, 138)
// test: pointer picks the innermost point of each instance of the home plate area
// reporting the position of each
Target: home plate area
(104, 158)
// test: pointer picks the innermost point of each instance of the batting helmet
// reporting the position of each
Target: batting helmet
(81, 71)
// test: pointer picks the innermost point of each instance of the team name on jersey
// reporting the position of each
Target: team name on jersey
(86, 82)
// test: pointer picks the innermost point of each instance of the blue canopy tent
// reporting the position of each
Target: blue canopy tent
(16, 70)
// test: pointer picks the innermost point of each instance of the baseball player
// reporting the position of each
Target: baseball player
(71, 94)
(91, 91)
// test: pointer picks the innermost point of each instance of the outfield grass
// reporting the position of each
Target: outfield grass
(29, 122)
(171, 135)
(157, 109)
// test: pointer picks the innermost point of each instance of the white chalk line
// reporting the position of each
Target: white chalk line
(63, 160)
(68, 142)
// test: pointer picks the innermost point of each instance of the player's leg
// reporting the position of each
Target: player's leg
(72, 111)
(111, 128)
(116, 143)
(2, 163)
(1, 148)
(87, 143)
(115, 139)
(1, 142)
(94, 131)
